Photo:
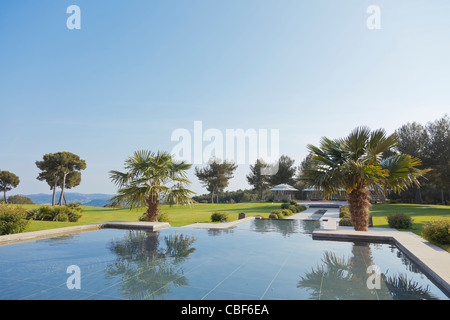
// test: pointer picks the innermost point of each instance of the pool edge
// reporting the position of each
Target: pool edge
(430, 258)
(41, 234)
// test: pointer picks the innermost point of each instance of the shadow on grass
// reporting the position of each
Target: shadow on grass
(381, 210)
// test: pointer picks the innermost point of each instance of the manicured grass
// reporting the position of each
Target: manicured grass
(178, 215)
(420, 213)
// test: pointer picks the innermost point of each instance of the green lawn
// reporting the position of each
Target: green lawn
(180, 216)
(421, 213)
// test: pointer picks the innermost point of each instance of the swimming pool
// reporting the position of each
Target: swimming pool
(260, 259)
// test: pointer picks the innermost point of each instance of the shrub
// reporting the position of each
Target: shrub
(301, 208)
(286, 212)
(279, 213)
(285, 205)
(72, 213)
(163, 217)
(344, 211)
(219, 217)
(437, 231)
(293, 202)
(346, 221)
(273, 216)
(12, 219)
(285, 200)
(18, 199)
(399, 220)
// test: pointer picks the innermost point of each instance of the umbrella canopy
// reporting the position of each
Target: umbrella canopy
(283, 187)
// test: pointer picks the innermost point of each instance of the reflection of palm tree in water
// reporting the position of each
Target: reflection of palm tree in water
(340, 278)
(146, 269)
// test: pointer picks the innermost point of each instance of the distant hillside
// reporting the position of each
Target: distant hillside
(90, 199)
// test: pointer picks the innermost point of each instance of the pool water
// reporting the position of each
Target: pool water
(261, 259)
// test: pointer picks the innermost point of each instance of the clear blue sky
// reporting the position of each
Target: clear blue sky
(138, 70)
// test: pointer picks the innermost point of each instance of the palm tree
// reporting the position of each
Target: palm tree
(355, 164)
(152, 178)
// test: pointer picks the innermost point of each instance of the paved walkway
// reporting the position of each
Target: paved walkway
(432, 259)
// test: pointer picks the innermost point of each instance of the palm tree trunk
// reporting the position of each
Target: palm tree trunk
(152, 211)
(359, 205)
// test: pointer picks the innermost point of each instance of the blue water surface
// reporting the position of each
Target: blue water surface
(261, 259)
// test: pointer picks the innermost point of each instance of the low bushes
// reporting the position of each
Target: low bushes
(162, 217)
(345, 218)
(293, 206)
(399, 220)
(344, 211)
(437, 231)
(277, 214)
(280, 213)
(72, 213)
(219, 217)
(346, 221)
(12, 219)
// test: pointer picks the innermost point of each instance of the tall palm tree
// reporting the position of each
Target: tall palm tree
(152, 178)
(355, 164)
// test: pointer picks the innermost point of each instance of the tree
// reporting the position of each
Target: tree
(49, 172)
(438, 153)
(257, 179)
(355, 164)
(413, 140)
(8, 181)
(215, 176)
(61, 169)
(431, 144)
(18, 199)
(305, 164)
(73, 179)
(152, 178)
(286, 172)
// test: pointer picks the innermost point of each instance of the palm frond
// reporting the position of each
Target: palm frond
(355, 160)
(151, 177)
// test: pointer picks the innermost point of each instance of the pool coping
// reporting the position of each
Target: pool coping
(137, 225)
(431, 259)
(34, 235)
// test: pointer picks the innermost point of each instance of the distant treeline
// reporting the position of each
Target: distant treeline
(229, 197)
(431, 144)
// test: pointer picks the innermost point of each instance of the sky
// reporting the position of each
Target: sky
(136, 71)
